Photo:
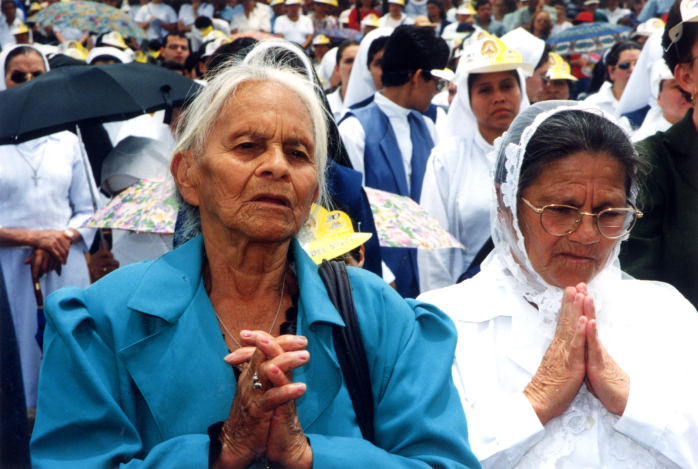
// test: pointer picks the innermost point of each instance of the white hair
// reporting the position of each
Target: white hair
(263, 64)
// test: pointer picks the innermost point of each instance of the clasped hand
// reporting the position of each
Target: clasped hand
(576, 355)
(263, 418)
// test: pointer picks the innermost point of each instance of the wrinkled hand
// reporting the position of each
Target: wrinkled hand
(562, 371)
(264, 420)
(604, 378)
(55, 242)
(101, 263)
(42, 262)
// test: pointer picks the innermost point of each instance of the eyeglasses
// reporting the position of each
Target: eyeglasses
(20, 77)
(626, 65)
(177, 46)
(561, 220)
(441, 83)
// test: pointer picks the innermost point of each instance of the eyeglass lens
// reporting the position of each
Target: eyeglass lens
(612, 223)
(626, 65)
(20, 77)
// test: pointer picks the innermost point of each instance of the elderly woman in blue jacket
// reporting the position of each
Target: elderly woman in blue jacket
(220, 353)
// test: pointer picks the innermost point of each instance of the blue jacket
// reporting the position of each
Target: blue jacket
(133, 373)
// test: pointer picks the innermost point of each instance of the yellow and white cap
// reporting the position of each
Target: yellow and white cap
(333, 3)
(276, 2)
(114, 39)
(649, 27)
(334, 235)
(559, 69)
(19, 28)
(491, 55)
(466, 8)
(689, 14)
(370, 20)
(397, 2)
(321, 40)
(294, 2)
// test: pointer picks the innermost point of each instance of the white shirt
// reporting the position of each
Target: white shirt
(654, 122)
(294, 31)
(457, 191)
(605, 99)
(162, 12)
(6, 36)
(257, 21)
(186, 13)
(614, 16)
(386, 21)
(558, 28)
(354, 136)
(335, 101)
(501, 342)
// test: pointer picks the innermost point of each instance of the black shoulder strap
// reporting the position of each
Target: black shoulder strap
(349, 345)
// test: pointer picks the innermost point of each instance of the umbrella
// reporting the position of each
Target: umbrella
(148, 206)
(89, 17)
(338, 35)
(588, 38)
(402, 223)
(62, 98)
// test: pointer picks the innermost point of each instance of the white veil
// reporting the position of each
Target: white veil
(6, 52)
(361, 85)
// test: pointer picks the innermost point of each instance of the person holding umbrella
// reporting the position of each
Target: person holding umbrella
(46, 198)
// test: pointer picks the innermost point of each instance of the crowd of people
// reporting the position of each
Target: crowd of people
(569, 181)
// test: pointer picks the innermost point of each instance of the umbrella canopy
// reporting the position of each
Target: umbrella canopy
(62, 98)
(89, 17)
(148, 206)
(588, 38)
(338, 35)
(402, 223)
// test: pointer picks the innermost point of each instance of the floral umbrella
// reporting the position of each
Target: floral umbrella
(589, 37)
(148, 206)
(402, 223)
(89, 17)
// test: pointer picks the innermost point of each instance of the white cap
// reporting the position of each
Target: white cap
(649, 27)
(529, 46)
(689, 14)
(118, 54)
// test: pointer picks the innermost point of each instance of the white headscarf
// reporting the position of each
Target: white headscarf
(639, 88)
(6, 52)
(361, 85)
(507, 236)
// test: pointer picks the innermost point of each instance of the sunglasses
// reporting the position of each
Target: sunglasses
(626, 65)
(20, 77)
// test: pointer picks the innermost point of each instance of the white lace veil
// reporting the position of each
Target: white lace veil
(508, 239)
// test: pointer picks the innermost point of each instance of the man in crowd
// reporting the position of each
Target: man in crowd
(613, 11)
(389, 141)
(157, 19)
(523, 15)
(560, 79)
(484, 19)
(175, 48)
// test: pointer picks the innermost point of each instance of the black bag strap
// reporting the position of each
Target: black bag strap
(349, 345)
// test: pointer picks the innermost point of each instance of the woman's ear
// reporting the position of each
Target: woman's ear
(183, 168)
(685, 79)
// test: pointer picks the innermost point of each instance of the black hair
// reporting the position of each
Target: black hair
(569, 132)
(437, 3)
(203, 22)
(22, 50)
(679, 52)
(473, 76)
(376, 46)
(558, 2)
(225, 52)
(176, 34)
(191, 63)
(613, 55)
(410, 49)
(105, 58)
(544, 58)
(480, 3)
(342, 47)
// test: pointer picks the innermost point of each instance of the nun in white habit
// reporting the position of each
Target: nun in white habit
(45, 200)
(361, 86)
(457, 182)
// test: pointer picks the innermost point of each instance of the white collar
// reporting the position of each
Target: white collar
(390, 108)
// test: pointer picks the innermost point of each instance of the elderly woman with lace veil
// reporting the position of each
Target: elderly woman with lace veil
(134, 364)
(575, 367)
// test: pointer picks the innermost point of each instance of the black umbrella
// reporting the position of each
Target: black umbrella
(62, 98)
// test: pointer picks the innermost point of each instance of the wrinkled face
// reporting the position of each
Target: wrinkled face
(177, 49)
(672, 101)
(536, 82)
(495, 99)
(618, 76)
(24, 68)
(376, 71)
(257, 176)
(484, 12)
(555, 89)
(589, 182)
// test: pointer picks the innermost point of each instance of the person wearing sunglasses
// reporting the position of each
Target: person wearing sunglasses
(389, 140)
(663, 245)
(45, 200)
(620, 62)
(562, 361)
